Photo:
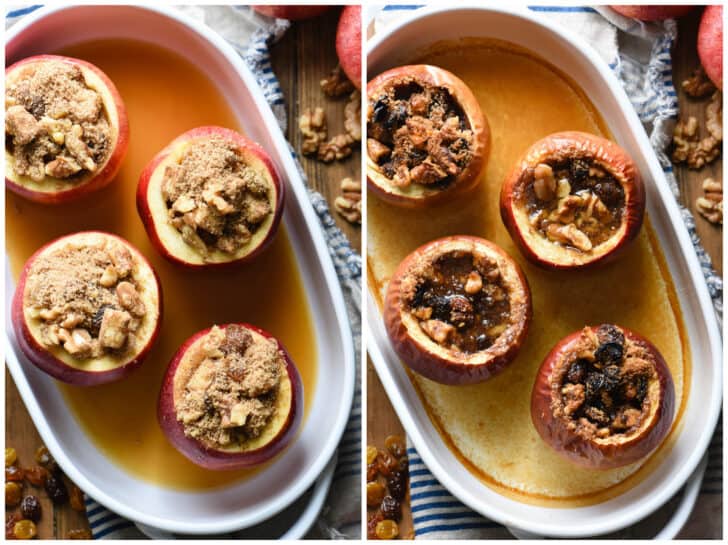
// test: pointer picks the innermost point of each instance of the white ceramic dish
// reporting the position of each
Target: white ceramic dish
(267, 493)
(399, 42)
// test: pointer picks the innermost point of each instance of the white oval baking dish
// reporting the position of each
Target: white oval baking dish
(399, 42)
(270, 491)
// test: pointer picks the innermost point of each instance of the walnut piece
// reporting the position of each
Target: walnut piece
(312, 125)
(352, 116)
(689, 147)
(437, 330)
(710, 205)
(348, 205)
(336, 84)
(698, 85)
(569, 234)
(338, 148)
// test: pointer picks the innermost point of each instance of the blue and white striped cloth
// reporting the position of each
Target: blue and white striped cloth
(639, 54)
(251, 35)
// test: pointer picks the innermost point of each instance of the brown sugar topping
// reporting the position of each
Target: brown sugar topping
(418, 134)
(231, 395)
(55, 124)
(86, 299)
(575, 203)
(461, 302)
(215, 200)
(601, 386)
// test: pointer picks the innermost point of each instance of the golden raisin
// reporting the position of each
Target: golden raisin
(386, 463)
(36, 475)
(372, 472)
(77, 503)
(395, 445)
(371, 454)
(13, 494)
(25, 529)
(79, 534)
(13, 473)
(387, 529)
(375, 493)
(43, 457)
(10, 456)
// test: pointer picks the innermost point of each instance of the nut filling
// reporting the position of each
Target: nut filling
(574, 203)
(231, 395)
(214, 199)
(418, 134)
(55, 124)
(461, 302)
(601, 387)
(86, 299)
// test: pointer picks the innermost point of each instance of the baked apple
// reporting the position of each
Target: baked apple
(603, 397)
(652, 13)
(87, 308)
(210, 198)
(710, 43)
(348, 43)
(66, 130)
(427, 138)
(231, 398)
(573, 200)
(457, 310)
(292, 13)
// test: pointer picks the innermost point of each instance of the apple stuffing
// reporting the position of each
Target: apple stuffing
(87, 308)
(426, 135)
(231, 398)
(457, 310)
(211, 197)
(65, 128)
(604, 397)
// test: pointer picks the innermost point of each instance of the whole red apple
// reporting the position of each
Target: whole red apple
(348, 43)
(710, 43)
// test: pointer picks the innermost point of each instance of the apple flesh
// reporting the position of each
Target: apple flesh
(277, 435)
(348, 43)
(154, 212)
(652, 13)
(56, 361)
(615, 450)
(292, 13)
(710, 43)
(56, 190)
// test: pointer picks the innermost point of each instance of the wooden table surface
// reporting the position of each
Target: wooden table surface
(381, 419)
(304, 56)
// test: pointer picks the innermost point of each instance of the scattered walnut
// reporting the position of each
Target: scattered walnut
(352, 116)
(337, 84)
(714, 116)
(698, 85)
(313, 127)
(710, 205)
(348, 205)
(338, 148)
(688, 147)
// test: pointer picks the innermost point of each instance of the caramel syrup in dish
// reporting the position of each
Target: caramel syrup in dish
(165, 96)
(488, 426)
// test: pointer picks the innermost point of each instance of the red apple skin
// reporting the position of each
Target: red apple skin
(348, 43)
(58, 369)
(419, 357)
(215, 459)
(589, 453)
(249, 146)
(102, 178)
(653, 13)
(602, 149)
(292, 13)
(710, 43)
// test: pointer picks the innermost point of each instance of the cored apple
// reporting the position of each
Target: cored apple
(154, 209)
(652, 13)
(710, 43)
(56, 190)
(348, 43)
(603, 397)
(292, 13)
(70, 344)
(457, 310)
(439, 151)
(573, 200)
(186, 374)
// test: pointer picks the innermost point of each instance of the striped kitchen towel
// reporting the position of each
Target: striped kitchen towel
(639, 54)
(251, 35)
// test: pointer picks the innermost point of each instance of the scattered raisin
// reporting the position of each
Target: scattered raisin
(391, 508)
(10, 456)
(372, 521)
(79, 534)
(31, 509)
(380, 110)
(44, 458)
(375, 493)
(395, 445)
(13, 473)
(372, 472)
(397, 485)
(371, 454)
(25, 529)
(10, 521)
(76, 496)
(387, 529)
(609, 353)
(579, 169)
(403, 464)
(13, 494)
(56, 488)
(36, 475)
(386, 463)
(576, 372)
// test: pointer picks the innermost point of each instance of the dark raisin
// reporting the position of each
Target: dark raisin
(579, 169)
(380, 110)
(576, 372)
(391, 508)
(56, 488)
(594, 385)
(482, 341)
(607, 333)
(31, 509)
(397, 117)
(609, 353)
(440, 307)
(610, 192)
(397, 485)
(97, 319)
(461, 311)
